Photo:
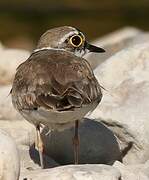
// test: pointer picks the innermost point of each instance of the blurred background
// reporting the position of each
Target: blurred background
(23, 21)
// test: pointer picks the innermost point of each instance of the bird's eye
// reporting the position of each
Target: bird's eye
(76, 40)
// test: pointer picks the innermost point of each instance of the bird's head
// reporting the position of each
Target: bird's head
(69, 39)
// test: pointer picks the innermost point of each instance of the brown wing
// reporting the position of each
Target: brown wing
(54, 80)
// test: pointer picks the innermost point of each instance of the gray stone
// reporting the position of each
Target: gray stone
(9, 158)
(124, 107)
(97, 144)
(72, 172)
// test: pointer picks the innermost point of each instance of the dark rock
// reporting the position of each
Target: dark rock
(97, 144)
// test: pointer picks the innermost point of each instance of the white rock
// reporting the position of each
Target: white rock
(7, 111)
(22, 131)
(79, 172)
(9, 60)
(118, 36)
(1, 46)
(29, 158)
(113, 43)
(133, 172)
(12, 122)
(139, 39)
(9, 158)
(125, 104)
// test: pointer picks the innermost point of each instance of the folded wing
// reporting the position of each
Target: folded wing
(55, 81)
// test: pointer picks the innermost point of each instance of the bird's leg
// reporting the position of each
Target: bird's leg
(39, 146)
(76, 142)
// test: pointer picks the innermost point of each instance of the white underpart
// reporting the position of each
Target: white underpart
(54, 119)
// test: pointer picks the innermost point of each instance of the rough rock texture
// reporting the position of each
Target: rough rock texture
(97, 144)
(29, 159)
(12, 122)
(9, 158)
(21, 131)
(140, 38)
(113, 43)
(79, 172)
(7, 111)
(125, 106)
(133, 172)
(9, 60)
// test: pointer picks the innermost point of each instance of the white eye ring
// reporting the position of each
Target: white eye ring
(79, 38)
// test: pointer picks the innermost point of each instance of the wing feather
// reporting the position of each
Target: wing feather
(58, 81)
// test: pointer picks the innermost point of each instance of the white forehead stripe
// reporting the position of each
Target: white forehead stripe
(70, 27)
(67, 35)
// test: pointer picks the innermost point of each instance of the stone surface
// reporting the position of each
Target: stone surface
(7, 111)
(124, 107)
(29, 159)
(113, 43)
(22, 131)
(140, 38)
(12, 122)
(97, 144)
(9, 60)
(72, 172)
(9, 158)
(133, 172)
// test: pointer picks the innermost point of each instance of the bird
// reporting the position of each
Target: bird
(56, 86)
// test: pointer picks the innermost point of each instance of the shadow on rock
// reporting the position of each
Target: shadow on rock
(48, 162)
(97, 144)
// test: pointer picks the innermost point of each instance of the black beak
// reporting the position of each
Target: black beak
(95, 49)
